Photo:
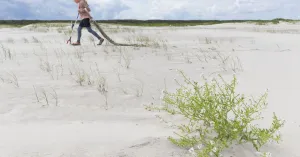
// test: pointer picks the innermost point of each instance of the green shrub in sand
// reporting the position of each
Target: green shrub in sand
(217, 117)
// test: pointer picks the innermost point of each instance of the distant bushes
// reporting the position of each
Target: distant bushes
(133, 22)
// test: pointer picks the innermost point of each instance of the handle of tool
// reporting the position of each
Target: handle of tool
(72, 29)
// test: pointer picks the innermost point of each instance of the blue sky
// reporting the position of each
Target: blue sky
(152, 9)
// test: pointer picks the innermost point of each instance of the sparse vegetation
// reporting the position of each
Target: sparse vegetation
(80, 76)
(13, 79)
(79, 53)
(47, 66)
(140, 88)
(43, 96)
(214, 115)
(126, 58)
(102, 88)
(35, 40)
(7, 53)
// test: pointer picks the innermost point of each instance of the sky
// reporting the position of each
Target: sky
(151, 9)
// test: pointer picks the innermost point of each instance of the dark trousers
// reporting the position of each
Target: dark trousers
(86, 23)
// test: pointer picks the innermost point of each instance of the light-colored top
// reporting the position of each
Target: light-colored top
(84, 9)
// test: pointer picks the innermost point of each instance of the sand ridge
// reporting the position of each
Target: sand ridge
(45, 111)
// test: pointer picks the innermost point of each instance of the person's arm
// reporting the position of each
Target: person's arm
(86, 7)
(88, 10)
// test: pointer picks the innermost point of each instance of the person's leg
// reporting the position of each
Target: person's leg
(86, 23)
(95, 34)
(78, 33)
(79, 29)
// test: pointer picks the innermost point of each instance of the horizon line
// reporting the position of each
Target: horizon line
(157, 19)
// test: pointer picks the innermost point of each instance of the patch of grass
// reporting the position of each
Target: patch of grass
(274, 21)
(7, 53)
(80, 76)
(102, 88)
(47, 66)
(44, 95)
(35, 40)
(13, 79)
(10, 26)
(217, 117)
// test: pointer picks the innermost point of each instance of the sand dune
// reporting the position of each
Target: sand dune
(45, 112)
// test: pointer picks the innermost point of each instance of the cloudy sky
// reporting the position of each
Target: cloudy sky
(152, 9)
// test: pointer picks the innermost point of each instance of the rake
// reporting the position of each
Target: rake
(69, 41)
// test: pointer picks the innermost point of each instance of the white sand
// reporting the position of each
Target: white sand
(79, 124)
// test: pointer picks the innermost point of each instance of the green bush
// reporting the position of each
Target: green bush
(217, 117)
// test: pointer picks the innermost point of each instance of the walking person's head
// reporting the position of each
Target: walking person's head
(77, 1)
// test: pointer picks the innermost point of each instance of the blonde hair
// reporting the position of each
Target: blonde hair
(86, 3)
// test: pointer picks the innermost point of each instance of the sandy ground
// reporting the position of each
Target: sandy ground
(79, 121)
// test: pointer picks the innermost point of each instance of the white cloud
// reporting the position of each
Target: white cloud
(165, 9)
(206, 9)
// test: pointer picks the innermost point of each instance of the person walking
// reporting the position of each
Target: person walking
(83, 10)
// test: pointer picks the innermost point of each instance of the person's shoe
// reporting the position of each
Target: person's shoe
(101, 41)
(77, 43)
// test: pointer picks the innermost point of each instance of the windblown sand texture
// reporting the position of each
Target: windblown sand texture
(57, 100)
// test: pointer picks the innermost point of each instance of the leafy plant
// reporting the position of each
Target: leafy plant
(217, 117)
